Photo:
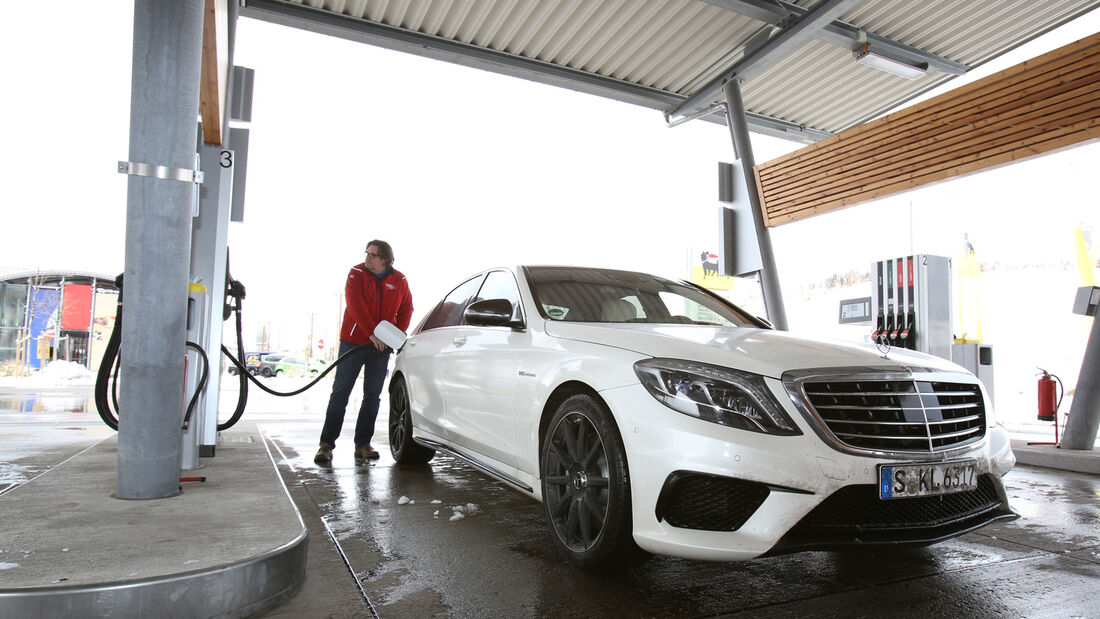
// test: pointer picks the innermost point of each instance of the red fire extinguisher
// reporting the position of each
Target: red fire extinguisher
(1048, 402)
(1050, 399)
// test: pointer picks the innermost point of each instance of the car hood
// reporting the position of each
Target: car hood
(761, 351)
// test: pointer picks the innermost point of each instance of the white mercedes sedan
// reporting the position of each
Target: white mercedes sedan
(649, 414)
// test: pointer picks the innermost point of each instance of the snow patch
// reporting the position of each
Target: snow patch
(461, 511)
(8, 566)
(56, 374)
(404, 500)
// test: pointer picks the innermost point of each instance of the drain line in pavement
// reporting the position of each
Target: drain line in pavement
(347, 564)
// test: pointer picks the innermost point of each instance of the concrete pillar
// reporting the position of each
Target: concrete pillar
(742, 146)
(164, 105)
(1084, 413)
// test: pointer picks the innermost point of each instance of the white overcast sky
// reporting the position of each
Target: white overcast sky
(459, 169)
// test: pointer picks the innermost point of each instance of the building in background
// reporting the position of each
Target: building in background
(50, 315)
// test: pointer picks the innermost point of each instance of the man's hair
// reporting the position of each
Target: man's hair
(384, 250)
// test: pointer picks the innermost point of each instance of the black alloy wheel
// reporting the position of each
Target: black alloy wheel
(402, 446)
(586, 486)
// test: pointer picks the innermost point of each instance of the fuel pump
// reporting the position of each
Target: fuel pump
(106, 392)
(911, 302)
(193, 422)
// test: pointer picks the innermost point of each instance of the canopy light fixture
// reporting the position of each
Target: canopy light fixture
(901, 68)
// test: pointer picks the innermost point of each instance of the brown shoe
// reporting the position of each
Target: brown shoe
(364, 453)
(324, 454)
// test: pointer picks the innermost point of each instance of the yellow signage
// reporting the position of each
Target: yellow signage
(710, 280)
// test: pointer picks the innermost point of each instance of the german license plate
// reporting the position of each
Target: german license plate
(902, 481)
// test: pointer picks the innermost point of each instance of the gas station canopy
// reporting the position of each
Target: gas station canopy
(808, 69)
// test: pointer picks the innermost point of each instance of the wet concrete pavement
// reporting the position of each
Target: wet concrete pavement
(414, 559)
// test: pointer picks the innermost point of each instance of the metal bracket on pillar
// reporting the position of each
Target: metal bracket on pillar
(134, 168)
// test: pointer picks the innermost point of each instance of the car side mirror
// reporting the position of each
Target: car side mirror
(765, 321)
(490, 313)
(390, 335)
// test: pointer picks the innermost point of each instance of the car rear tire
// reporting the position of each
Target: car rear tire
(586, 486)
(402, 446)
(266, 373)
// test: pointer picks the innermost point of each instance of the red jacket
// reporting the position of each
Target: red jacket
(371, 299)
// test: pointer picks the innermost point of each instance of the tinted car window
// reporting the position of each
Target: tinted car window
(602, 295)
(449, 312)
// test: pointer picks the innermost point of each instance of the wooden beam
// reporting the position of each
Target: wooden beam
(1047, 103)
(215, 70)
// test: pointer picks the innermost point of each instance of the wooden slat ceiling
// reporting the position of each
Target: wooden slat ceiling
(1044, 104)
(670, 54)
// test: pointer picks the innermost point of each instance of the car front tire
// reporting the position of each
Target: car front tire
(402, 446)
(586, 486)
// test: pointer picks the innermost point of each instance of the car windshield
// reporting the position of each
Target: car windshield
(575, 294)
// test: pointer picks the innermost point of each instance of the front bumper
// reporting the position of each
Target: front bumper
(705, 491)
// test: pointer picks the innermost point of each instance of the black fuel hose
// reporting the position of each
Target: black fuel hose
(235, 291)
(285, 394)
(111, 360)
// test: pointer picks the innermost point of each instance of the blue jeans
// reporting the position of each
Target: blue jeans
(374, 365)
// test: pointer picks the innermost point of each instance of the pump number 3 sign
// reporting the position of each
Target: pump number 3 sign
(902, 481)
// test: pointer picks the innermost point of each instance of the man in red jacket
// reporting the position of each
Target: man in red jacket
(374, 292)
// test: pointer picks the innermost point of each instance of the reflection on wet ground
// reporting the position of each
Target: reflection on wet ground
(43, 428)
(446, 540)
(413, 560)
(59, 403)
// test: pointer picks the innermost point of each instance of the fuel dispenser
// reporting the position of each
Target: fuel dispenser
(193, 370)
(912, 304)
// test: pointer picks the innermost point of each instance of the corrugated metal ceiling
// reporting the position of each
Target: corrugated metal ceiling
(665, 53)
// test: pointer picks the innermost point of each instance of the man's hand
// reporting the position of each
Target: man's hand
(379, 344)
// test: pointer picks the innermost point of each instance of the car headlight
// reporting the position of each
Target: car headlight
(716, 394)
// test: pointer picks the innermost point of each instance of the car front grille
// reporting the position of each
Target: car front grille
(899, 415)
(708, 502)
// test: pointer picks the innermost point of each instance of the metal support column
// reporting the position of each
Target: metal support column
(1084, 413)
(739, 131)
(164, 102)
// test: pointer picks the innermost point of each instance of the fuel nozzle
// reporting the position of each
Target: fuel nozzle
(905, 333)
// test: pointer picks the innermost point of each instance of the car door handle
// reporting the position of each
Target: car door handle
(459, 341)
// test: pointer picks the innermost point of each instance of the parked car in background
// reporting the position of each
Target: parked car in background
(268, 363)
(299, 364)
(652, 414)
(252, 361)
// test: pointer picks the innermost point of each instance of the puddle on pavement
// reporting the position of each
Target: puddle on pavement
(44, 403)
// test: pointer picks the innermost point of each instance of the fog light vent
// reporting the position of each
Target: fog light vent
(708, 502)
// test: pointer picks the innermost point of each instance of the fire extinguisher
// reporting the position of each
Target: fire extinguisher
(1048, 403)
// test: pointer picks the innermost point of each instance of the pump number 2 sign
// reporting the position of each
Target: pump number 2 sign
(902, 481)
